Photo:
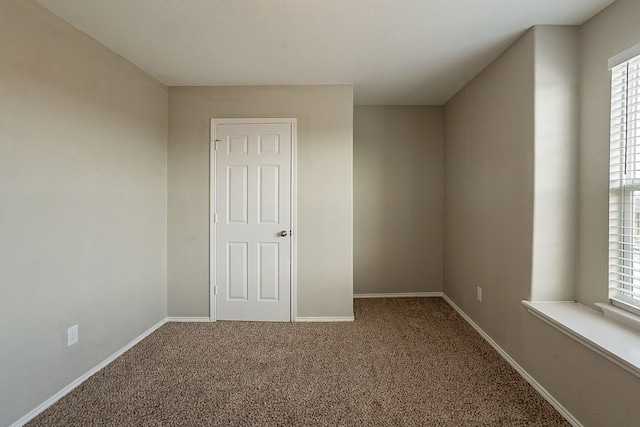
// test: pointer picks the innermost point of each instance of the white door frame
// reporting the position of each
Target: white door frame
(212, 207)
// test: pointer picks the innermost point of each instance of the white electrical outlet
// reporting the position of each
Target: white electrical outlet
(479, 293)
(72, 335)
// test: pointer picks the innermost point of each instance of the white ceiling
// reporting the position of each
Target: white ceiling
(392, 51)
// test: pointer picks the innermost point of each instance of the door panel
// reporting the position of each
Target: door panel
(269, 267)
(237, 271)
(269, 200)
(237, 185)
(253, 201)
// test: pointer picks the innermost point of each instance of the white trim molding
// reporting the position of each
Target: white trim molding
(623, 316)
(400, 295)
(524, 374)
(66, 390)
(188, 319)
(326, 319)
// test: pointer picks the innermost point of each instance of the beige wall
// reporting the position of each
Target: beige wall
(555, 217)
(488, 189)
(491, 134)
(397, 174)
(325, 190)
(83, 204)
(612, 31)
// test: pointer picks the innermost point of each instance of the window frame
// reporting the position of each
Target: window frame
(624, 185)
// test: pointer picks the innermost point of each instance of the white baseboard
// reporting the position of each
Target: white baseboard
(188, 319)
(535, 384)
(59, 395)
(400, 295)
(325, 319)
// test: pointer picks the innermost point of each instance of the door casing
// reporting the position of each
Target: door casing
(212, 208)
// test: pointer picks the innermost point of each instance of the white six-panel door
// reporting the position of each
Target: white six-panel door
(252, 219)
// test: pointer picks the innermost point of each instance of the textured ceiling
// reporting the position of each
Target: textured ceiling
(392, 51)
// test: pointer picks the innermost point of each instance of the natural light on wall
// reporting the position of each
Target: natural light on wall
(624, 187)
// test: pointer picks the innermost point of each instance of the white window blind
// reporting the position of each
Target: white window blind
(624, 187)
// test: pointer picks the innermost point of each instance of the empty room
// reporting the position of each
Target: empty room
(319, 212)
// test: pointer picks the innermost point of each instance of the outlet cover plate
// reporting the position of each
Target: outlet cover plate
(72, 335)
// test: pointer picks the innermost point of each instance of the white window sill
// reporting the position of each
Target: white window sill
(610, 339)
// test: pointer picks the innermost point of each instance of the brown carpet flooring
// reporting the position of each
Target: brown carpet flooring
(402, 362)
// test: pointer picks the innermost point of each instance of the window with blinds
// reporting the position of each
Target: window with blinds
(624, 187)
